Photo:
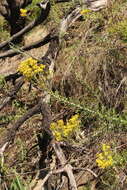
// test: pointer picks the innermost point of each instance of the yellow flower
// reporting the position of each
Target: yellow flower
(85, 11)
(105, 158)
(63, 131)
(60, 123)
(23, 12)
(30, 68)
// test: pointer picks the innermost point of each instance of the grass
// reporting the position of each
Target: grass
(17, 184)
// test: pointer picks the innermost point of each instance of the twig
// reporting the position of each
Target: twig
(45, 179)
(93, 173)
(87, 169)
(2, 149)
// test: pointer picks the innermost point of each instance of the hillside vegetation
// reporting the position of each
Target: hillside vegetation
(63, 102)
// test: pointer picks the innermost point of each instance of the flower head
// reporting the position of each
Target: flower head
(30, 68)
(105, 159)
(23, 12)
(85, 11)
(63, 131)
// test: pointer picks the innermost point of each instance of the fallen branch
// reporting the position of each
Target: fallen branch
(41, 183)
(50, 56)
(69, 20)
(13, 77)
(45, 8)
(36, 44)
(64, 168)
(87, 169)
(13, 128)
(67, 168)
(44, 108)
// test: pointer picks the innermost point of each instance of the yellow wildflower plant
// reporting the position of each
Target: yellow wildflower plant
(63, 131)
(23, 12)
(105, 158)
(29, 68)
(85, 11)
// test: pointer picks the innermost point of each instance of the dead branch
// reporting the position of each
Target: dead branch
(69, 20)
(47, 118)
(45, 8)
(54, 172)
(36, 44)
(66, 22)
(13, 128)
(41, 183)
(67, 167)
(50, 55)
(96, 5)
(11, 94)
(87, 169)
(43, 107)
(64, 168)
(13, 77)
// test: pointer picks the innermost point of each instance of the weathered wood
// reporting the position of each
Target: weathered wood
(36, 44)
(96, 5)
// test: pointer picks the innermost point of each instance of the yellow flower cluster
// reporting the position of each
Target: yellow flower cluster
(30, 68)
(105, 158)
(85, 11)
(62, 131)
(23, 12)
